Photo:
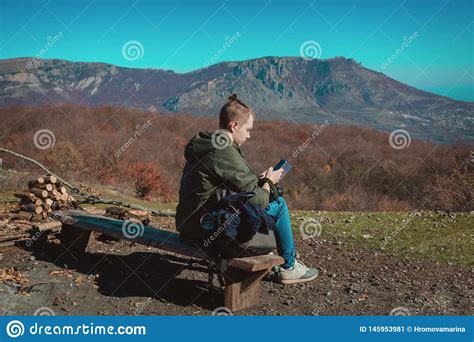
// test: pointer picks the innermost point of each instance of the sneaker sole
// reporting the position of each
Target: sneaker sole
(297, 281)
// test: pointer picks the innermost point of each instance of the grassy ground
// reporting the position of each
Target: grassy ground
(439, 236)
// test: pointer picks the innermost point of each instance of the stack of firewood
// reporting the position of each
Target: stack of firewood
(44, 194)
(13, 230)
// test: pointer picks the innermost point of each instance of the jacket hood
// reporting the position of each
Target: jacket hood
(201, 144)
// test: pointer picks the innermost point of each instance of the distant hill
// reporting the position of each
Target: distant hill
(339, 90)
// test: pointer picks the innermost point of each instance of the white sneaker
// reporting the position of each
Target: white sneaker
(299, 273)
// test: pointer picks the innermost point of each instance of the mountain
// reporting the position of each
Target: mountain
(338, 90)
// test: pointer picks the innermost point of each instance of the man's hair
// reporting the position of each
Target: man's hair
(234, 110)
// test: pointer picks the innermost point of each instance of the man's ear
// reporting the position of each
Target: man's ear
(233, 126)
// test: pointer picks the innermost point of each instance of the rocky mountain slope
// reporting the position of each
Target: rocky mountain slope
(339, 90)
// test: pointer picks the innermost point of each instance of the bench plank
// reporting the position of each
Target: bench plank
(152, 237)
(256, 263)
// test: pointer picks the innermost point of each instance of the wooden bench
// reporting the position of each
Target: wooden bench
(241, 276)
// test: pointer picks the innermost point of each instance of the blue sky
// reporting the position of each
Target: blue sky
(185, 35)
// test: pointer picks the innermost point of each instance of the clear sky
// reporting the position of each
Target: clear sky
(426, 44)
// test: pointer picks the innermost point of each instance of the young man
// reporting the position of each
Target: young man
(214, 161)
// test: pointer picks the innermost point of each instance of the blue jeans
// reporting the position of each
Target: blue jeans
(284, 233)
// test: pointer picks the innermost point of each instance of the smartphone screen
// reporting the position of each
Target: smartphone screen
(285, 165)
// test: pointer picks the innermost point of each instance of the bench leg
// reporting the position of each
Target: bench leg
(242, 288)
(75, 239)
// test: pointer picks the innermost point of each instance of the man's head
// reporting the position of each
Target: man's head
(237, 118)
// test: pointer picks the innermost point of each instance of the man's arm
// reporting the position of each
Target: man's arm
(232, 168)
(266, 187)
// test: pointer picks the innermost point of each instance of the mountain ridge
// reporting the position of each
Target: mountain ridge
(339, 90)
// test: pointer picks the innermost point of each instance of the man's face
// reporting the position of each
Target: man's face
(242, 131)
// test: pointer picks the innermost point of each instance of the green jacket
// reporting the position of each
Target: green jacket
(207, 169)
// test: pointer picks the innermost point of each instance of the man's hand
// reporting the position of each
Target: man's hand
(273, 175)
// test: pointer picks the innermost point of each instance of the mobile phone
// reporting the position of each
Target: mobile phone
(285, 165)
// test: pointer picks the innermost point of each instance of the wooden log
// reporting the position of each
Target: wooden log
(49, 201)
(53, 226)
(21, 221)
(55, 195)
(46, 207)
(24, 215)
(9, 216)
(7, 243)
(62, 189)
(36, 182)
(47, 187)
(23, 195)
(14, 237)
(38, 217)
(29, 207)
(39, 193)
(64, 197)
(38, 202)
(51, 179)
